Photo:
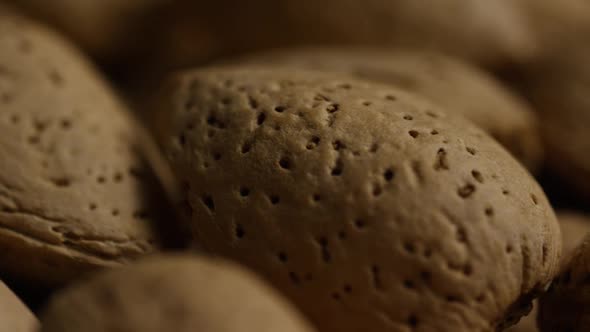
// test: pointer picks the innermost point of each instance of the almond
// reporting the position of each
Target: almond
(76, 191)
(370, 208)
(172, 293)
(14, 315)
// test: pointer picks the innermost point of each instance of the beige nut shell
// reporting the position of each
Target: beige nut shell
(75, 191)
(455, 85)
(370, 208)
(173, 293)
(558, 87)
(14, 315)
(565, 306)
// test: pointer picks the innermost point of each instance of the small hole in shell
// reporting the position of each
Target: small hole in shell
(359, 223)
(240, 232)
(466, 191)
(377, 190)
(274, 199)
(261, 118)
(209, 202)
(409, 247)
(66, 124)
(313, 143)
(388, 174)
(509, 248)
(246, 147)
(118, 177)
(61, 182)
(337, 169)
(409, 284)
(337, 145)
(285, 163)
(413, 321)
(282, 257)
(244, 192)
(477, 176)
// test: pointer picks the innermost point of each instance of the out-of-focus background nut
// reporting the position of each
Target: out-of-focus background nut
(14, 315)
(172, 293)
(76, 190)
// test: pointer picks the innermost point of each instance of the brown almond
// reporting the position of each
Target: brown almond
(370, 208)
(76, 192)
(172, 293)
(14, 315)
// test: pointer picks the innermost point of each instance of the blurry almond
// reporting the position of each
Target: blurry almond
(172, 293)
(75, 190)
(14, 315)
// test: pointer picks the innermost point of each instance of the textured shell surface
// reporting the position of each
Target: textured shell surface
(370, 208)
(75, 189)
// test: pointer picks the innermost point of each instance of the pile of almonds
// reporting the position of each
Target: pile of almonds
(294, 165)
